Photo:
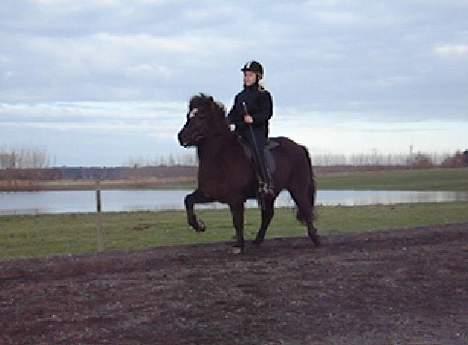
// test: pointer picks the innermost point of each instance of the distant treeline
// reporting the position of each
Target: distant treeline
(16, 165)
(97, 173)
(413, 160)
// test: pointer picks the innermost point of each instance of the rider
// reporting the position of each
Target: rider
(253, 106)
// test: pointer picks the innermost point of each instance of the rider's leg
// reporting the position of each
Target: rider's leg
(260, 166)
(267, 180)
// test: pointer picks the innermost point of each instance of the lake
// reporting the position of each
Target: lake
(156, 200)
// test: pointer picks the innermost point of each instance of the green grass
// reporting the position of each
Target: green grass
(45, 235)
(423, 179)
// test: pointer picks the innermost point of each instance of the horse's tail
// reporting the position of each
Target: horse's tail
(311, 187)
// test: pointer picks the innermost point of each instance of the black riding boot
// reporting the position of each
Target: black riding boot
(266, 181)
(265, 188)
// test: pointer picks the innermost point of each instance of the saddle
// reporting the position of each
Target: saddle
(270, 145)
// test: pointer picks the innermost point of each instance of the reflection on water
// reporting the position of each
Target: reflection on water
(132, 200)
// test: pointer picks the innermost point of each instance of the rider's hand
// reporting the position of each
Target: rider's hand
(248, 119)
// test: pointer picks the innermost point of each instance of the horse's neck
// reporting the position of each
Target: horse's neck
(218, 150)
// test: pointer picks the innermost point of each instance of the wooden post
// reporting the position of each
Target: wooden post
(99, 236)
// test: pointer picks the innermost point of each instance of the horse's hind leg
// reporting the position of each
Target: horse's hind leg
(196, 197)
(267, 214)
(312, 232)
(305, 212)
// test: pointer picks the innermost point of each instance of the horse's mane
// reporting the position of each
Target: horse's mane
(203, 100)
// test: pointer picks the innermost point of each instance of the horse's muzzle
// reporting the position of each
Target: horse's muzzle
(182, 141)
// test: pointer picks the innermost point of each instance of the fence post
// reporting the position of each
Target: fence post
(99, 235)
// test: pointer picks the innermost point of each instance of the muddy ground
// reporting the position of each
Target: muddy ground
(396, 287)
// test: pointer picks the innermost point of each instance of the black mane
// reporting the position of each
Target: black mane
(205, 101)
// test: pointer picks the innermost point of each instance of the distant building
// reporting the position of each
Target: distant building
(465, 157)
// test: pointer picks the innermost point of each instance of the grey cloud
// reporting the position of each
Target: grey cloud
(333, 52)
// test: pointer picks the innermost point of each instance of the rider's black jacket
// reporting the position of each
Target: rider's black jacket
(259, 105)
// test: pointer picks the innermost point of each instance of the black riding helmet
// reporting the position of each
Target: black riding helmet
(255, 67)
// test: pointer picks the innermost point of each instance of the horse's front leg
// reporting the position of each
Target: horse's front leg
(267, 214)
(237, 211)
(196, 197)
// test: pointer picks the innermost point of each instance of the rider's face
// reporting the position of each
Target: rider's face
(249, 78)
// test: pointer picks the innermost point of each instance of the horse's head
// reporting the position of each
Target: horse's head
(205, 118)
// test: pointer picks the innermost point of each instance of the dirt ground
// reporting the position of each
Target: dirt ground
(396, 287)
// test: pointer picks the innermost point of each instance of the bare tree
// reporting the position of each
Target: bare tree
(23, 158)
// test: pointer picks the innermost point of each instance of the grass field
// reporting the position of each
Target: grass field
(416, 179)
(44, 235)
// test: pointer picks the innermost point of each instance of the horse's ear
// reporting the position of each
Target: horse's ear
(211, 99)
(212, 104)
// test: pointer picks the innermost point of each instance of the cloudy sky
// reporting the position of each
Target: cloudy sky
(98, 82)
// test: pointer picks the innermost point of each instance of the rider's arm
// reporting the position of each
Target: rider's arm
(235, 116)
(265, 111)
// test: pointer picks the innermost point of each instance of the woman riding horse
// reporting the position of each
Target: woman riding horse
(225, 173)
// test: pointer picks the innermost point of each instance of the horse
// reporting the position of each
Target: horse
(226, 173)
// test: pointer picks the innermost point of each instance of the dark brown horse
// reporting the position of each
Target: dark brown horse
(226, 174)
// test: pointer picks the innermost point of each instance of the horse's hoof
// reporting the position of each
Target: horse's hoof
(316, 239)
(237, 250)
(313, 235)
(201, 227)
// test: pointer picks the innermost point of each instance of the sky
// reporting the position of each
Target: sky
(100, 82)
